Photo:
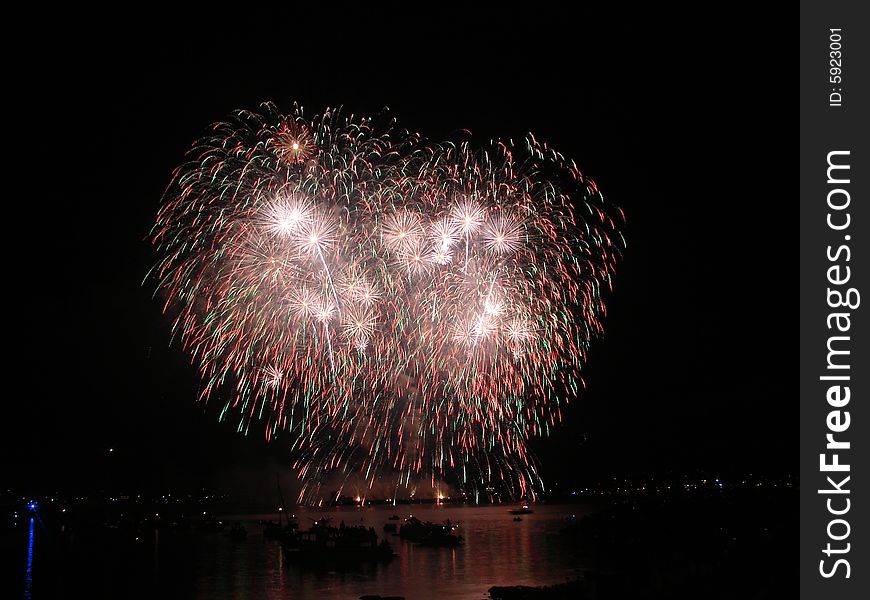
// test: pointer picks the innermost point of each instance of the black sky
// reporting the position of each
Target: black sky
(675, 117)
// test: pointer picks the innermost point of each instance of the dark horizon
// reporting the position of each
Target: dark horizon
(690, 375)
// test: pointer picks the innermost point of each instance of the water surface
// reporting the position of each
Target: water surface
(192, 564)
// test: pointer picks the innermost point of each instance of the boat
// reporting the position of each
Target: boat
(414, 530)
(430, 534)
(285, 526)
(395, 518)
(517, 519)
(324, 543)
(523, 510)
(281, 529)
(442, 536)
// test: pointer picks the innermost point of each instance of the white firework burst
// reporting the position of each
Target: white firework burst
(440, 256)
(444, 233)
(519, 330)
(468, 215)
(273, 376)
(493, 306)
(287, 214)
(324, 310)
(303, 302)
(402, 230)
(416, 257)
(367, 293)
(502, 234)
(317, 235)
(358, 324)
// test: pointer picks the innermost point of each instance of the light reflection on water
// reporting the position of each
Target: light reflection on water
(28, 571)
(497, 551)
(168, 563)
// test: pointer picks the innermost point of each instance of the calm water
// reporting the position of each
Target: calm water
(189, 564)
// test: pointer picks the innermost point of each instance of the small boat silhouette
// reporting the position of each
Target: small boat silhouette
(523, 510)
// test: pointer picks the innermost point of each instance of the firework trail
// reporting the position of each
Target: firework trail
(404, 310)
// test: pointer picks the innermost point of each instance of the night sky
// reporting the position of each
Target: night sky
(675, 118)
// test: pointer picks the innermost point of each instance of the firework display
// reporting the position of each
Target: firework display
(405, 311)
